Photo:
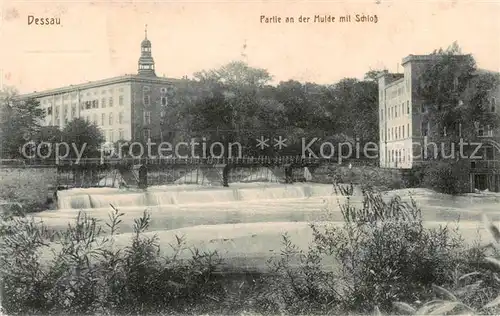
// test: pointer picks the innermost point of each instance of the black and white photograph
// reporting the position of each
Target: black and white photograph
(249, 157)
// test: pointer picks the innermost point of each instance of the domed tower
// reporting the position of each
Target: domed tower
(146, 62)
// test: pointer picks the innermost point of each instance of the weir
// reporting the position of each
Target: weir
(97, 198)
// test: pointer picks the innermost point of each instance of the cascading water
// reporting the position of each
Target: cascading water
(180, 195)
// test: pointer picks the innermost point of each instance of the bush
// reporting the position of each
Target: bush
(27, 186)
(88, 276)
(382, 253)
(367, 176)
(449, 177)
(475, 289)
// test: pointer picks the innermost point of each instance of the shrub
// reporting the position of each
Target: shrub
(475, 289)
(382, 253)
(89, 276)
(367, 176)
(449, 177)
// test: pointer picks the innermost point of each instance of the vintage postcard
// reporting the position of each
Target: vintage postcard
(249, 157)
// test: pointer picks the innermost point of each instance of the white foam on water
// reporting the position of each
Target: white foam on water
(179, 195)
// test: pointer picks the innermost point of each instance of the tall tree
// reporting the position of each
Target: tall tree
(455, 94)
(85, 136)
(20, 122)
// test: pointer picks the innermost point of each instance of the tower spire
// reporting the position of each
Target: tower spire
(146, 62)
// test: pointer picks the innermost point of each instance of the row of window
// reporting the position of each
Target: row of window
(396, 111)
(398, 155)
(398, 132)
(399, 110)
(73, 95)
(94, 104)
(110, 119)
(147, 100)
(110, 135)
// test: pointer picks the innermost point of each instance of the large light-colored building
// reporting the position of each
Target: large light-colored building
(404, 127)
(128, 107)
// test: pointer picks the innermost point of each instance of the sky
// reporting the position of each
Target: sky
(101, 39)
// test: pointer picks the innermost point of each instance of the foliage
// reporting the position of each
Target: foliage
(449, 177)
(475, 290)
(236, 103)
(367, 176)
(20, 121)
(83, 135)
(28, 186)
(454, 90)
(88, 275)
(383, 254)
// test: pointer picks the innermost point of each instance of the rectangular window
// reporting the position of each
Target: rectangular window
(121, 134)
(110, 101)
(489, 153)
(408, 130)
(120, 118)
(111, 136)
(110, 118)
(403, 131)
(407, 107)
(480, 131)
(94, 119)
(422, 108)
(147, 134)
(493, 104)
(147, 117)
(120, 100)
(147, 100)
(395, 111)
(103, 119)
(424, 129)
(103, 102)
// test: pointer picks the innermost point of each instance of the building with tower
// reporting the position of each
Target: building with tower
(128, 107)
